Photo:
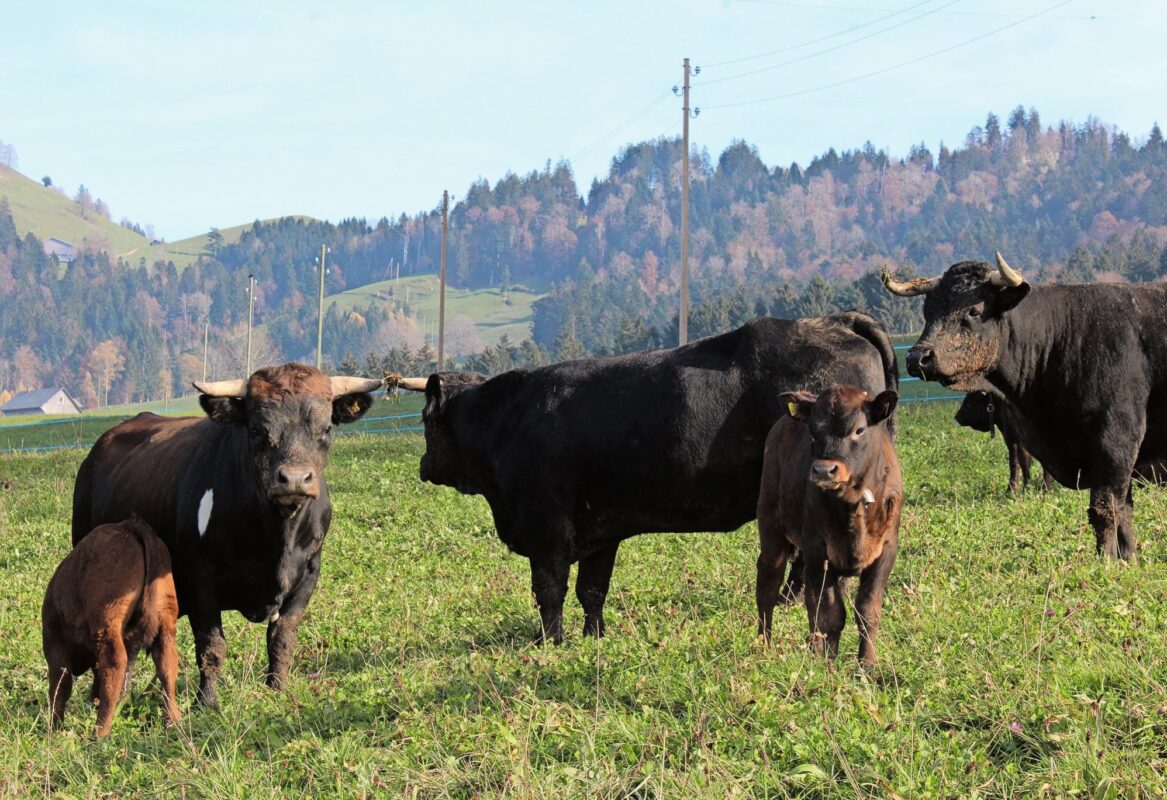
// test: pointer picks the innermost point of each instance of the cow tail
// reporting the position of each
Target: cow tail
(82, 501)
(873, 331)
(158, 583)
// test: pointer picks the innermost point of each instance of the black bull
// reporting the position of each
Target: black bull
(1085, 366)
(576, 457)
(239, 499)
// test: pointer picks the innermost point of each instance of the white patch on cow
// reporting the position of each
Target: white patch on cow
(205, 506)
(868, 497)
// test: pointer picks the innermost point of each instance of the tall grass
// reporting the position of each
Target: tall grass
(1014, 662)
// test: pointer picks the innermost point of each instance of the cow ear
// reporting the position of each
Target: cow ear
(881, 407)
(797, 404)
(435, 394)
(231, 410)
(350, 407)
(1006, 298)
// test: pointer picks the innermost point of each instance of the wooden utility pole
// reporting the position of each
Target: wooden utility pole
(320, 311)
(206, 338)
(442, 283)
(250, 317)
(684, 315)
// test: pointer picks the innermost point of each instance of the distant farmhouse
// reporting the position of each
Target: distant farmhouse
(62, 250)
(53, 400)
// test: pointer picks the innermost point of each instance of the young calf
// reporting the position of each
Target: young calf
(987, 409)
(112, 596)
(832, 490)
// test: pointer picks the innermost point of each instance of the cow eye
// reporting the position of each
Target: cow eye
(973, 313)
(859, 431)
(326, 433)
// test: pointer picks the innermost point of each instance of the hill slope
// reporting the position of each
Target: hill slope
(46, 212)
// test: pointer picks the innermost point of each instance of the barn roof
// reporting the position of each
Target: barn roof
(31, 400)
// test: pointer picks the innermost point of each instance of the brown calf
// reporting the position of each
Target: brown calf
(832, 490)
(112, 596)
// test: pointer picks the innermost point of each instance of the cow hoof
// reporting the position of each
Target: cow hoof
(275, 682)
(209, 702)
(594, 628)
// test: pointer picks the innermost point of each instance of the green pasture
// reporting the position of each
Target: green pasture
(494, 316)
(1014, 663)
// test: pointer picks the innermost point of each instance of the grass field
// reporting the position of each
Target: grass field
(492, 317)
(1013, 662)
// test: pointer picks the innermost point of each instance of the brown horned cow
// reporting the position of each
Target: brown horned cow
(831, 489)
(112, 596)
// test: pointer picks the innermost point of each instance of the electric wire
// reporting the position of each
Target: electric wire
(800, 45)
(900, 65)
(831, 49)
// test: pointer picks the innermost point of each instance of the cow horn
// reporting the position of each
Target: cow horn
(237, 388)
(412, 384)
(1008, 276)
(342, 385)
(908, 288)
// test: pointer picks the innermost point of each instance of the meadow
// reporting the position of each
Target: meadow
(1014, 663)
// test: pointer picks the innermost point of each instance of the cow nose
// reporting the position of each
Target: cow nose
(825, 469)
(296, 481)
(920, 360)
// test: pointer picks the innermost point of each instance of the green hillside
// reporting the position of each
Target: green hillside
(184, 252)
(46, 212)
(492, 317)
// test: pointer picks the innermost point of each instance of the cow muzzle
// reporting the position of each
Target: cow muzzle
(829, 473)
(294, 487)
(921, 363)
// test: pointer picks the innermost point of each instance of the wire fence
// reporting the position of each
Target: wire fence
(79, 433)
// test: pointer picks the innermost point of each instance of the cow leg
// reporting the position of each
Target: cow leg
(210, 652)
(1110, 515)
(824, 605)
(1128, 547)
(165, 654)
(109, 677)
(869, 601)
(283, 632)
(591, 587)
(1026, 462)
(1014, 465)
(60, 686)
(549, 583)
(131, 659)
(775, 551)
(793, 588)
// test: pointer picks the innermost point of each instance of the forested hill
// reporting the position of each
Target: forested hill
(1065, 202)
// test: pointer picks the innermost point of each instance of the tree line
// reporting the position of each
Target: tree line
(1067, 202)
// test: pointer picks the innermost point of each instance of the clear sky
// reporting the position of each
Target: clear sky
(192, 115)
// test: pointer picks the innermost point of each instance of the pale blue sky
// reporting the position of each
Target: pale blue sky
(192, 115)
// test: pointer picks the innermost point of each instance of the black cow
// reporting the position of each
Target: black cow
(986, 410)
(575, 457)
(239, 499)
(1086, 367)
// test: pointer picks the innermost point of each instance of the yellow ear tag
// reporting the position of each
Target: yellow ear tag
(354, 407)
(792, 407)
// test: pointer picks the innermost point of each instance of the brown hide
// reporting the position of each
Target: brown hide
(112, 596)
(846, 528)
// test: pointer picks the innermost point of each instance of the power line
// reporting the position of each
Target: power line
(902, 64)
(617, 131)
(820, 39)
(830, 49)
